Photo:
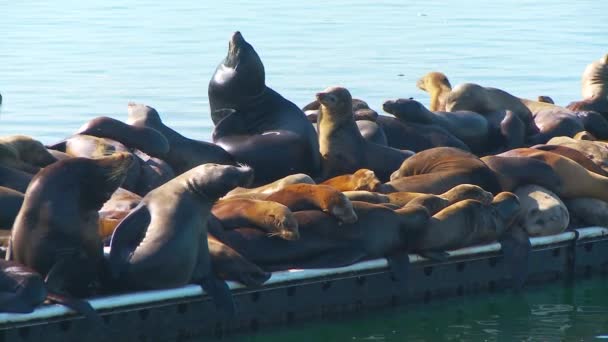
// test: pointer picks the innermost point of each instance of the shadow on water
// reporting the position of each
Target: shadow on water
(556, 312)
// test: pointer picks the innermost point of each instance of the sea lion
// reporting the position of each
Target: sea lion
(576, 181)
(56, 230)
(470, 127)
(228, 264)
(184, 153)
(271, 217)
(594, 122)
(145, 139)
(594, 88)
(587, 212)
(361, 111)
(432, 203)
(326, 198)
(323, 243)
(486, 100)
(268, 189)
(24, 153)
(536, 106)
(542, 212)
(10, 202)
(438, 170)
(555, 122)
(154, 173)
(515, 171)
(575, 155)
(438, 86)
(362, 179)
(14, 179)
(372, 132)
(366, 196)
(545, 99)
(162, 243)
(343, 149)
(255, 124)
(416, 137)
(597, 151)
(120, 204)
(468, 222)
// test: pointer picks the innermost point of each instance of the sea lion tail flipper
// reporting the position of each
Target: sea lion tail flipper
(399, 265)
(219, 291)
(516, 248)
(439, 256)
(126, 237)
(11, 302)
(84, 308)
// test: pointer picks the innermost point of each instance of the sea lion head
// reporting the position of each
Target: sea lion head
(432, 80)
(341, 207)
(336, 103)
(366, 179)
(404, 109)
(216, 180)
(279, 221)
(468, 191)
(239, 77)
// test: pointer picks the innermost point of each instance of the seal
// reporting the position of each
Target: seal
(438, 170)
(145, 139)
(575, 155)
(14, 179)
(271, 217)
(255, 124)
(438, 86)
(324, 243)
(24, 153)
(515, 171)
(470, 127)
(596, 151)
(542, 212)
(587, 212)
(56, 230)
(326, 198)
(594, 88)
(555, 122)
(162, 243)
(343, 149)
(263, 191)
(486, 100)
(362, 179)
(184, 153)
(10, 202)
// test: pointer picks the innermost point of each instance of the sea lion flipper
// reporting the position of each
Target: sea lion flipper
(399, 264)
(434, 255)
(516, 248)
(221, 295)
(84, 308)
(11, 302)
(126, 236)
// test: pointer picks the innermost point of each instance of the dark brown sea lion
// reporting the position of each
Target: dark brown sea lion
(145, 139)
(486, 100)
(587, 212)
(594, 122)
(362, 179)
(545, 99)
(416, 137)
(154, 173)
(542, 212)
(470, 127)
(24, 153)
(14, 179)
(438, 86)
(324, 243)
(299, 197)
(56, 230)
(184, 153)
(162, 243)
(515, 171)
(10, 202)
(255, 124)
(271, 217)
(228, 264)
(555, 122)
(268, 189)
(343, 149)
(438, 170)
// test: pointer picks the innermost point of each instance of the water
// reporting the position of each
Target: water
(64, 62)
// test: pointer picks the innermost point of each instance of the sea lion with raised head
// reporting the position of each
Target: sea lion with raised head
(343, 149)
(254, 123)
(162, 243)
(438, 86)
(594, 88)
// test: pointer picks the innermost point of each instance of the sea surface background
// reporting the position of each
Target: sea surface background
(65, 62)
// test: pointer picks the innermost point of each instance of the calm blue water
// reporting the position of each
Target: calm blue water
(64, 62)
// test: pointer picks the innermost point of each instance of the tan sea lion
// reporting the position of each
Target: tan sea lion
(268, 189)
(24, 153)
(541, 212)
(594, 88)
(326, 198)
(438, 86)
(597, 151)
(343, 149)
(271, 217)
(575, 155)
(584, 135)
(362, 179)
(56, 230)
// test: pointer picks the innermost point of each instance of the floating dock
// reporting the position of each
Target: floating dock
(186, 313)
